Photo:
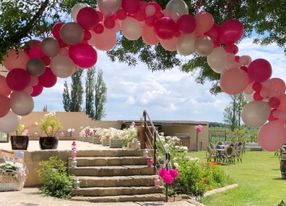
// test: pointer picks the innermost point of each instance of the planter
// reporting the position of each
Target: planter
(105, 141)
(283, 165)
(48, 143)
(19, 142)
(115, 143)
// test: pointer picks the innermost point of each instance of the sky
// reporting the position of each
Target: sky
(166, 95)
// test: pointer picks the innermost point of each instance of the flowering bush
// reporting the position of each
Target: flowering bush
(50, 124)
(168, 175)
(21, 130)
(87, 132)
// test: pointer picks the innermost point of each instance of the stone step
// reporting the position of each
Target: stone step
(114, 191)
(124, 198)
(112, 170)
(110, 161)
(110, 153)
(117, 181)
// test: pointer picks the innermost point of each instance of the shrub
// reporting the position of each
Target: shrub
(56, 181)
(196, 178)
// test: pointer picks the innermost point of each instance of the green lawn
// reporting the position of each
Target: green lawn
(259, 181)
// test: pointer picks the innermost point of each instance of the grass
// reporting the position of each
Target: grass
(259, 180)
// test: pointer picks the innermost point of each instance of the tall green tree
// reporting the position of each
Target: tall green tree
(89, 92)
(76, 92)
(100, 96)
(232, 112)
(21, 20)
(66, 97)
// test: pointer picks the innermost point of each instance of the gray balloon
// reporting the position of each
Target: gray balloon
(72, 33)
(36, 67)
(50, 47)
(21, 103)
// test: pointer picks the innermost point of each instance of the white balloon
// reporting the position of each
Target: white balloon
(75, 9)
(186, 44)
(109, 7)
(21, 103)
(9, 122)
(132, 29)
(255, 114)
(62, 66)
(217, 60)
(176, 8)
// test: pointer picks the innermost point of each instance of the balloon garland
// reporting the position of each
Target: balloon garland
(73, 46)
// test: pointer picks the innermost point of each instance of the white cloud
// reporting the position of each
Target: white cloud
(130, 100)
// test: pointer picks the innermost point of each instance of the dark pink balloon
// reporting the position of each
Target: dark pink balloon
(274, 102)
(131, 7)
(87, 17)
(231, 31)
(186, 23)
(87, 35)
(36, 52)
(18, 79)
(83, 55)
(98, 29)
(257, 96)
(109, 22)
(121, 14)
(165, 28)
(37, 90)
(259, 70)
(99, 15)
(48, 79)
(213, 33)
(257, 86)
(56, 30)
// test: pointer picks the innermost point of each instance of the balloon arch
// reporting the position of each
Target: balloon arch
(73, 46)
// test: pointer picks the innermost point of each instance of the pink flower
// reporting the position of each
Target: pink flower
(163, 172)
(174, 173)
(168, 179)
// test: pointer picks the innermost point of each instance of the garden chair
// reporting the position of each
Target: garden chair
(230, 155)
(211, 154)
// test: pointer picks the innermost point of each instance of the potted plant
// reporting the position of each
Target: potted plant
(50, 126)
(20, 141)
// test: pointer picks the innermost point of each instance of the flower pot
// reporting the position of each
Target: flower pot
(48, 143)
(19, 142)
(283, 165)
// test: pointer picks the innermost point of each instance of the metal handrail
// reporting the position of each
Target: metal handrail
(156, 140)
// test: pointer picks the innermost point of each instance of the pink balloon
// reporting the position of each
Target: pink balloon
(5, 105)
(83, 55)
(165, 28)
(15, 59)
(186, 23)
(259, 70)
(4, 88)
(169, 44)
(18, 79)
(48, 79)
(37, 90)
(204, 22)
(87, 17)
(271, 136)
(104, 41)
(276, 87)
(234, 81)
(282, 106)
(131, 7)
(56, 30)
(149, 37)
(231, 31)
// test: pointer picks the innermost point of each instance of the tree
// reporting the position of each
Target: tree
(89, 93)
(232, 112)
(76, 92)
(72, 100)
(66, 97)
(22, 20)
(100, 96)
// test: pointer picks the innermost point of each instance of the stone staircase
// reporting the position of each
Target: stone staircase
(115, 175)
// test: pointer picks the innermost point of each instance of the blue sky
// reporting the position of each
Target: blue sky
(169, 95)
